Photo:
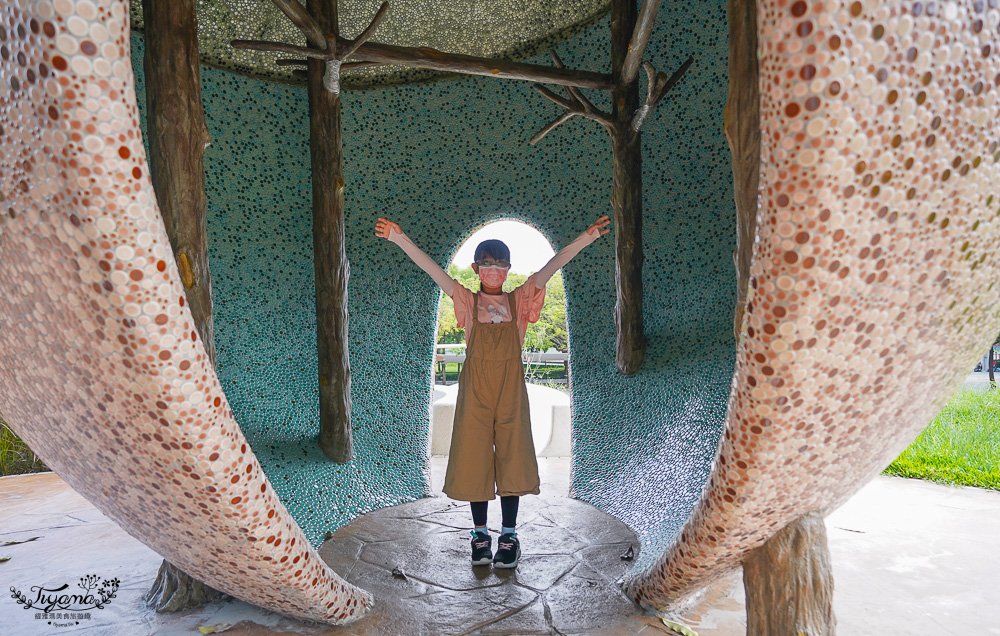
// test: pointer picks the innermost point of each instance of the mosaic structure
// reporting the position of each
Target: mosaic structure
(498, 29)
(444, 159)
(878, 223)
(104, 376)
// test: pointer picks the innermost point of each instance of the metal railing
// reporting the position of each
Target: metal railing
(441, 360)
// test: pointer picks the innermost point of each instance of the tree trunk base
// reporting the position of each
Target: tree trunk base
(337, 448)
(789, 582)
(174, 591)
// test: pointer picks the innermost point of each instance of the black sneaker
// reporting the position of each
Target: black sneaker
(508, 551)
(481, 552)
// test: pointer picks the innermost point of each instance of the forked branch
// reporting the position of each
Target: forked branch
(305, 22)
(367, 33)
(336, 50)
(658, 86)
(577, 104)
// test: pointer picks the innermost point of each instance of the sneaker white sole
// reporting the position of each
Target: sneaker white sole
(507, 566)
(485, 561)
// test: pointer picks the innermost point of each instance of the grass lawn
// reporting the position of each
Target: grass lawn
(15, 456)
(960, 447)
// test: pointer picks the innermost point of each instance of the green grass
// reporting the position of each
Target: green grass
(15, 456)
(960, 447)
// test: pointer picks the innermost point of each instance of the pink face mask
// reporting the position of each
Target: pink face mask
(493, 276)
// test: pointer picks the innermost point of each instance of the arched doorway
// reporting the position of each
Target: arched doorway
(546, 351)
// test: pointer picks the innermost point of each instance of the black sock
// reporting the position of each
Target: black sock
(508, 508)
(479, 512)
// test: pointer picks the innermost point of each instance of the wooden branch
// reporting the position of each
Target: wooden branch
(651, 79)
(367, 33)
(566, 116)
(577, 93)
(640, 38)
(291, 62)
(558, 99)
(302, 73)
(374, 54)
(305, 22)
(574, 106)
(658, 86)
(351, 66)
(665, 87)
(281, 47)
(435, 60)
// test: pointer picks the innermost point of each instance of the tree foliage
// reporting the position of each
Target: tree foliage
(548, 333)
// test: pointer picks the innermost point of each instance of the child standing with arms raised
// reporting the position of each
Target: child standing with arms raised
(491, 447)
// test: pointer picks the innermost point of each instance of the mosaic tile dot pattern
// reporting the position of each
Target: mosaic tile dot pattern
(505, 29)
(104, 375)
(443, 159)
(430, 154)
(876, 249)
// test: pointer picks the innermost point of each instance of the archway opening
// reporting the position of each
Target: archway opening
(545, 352)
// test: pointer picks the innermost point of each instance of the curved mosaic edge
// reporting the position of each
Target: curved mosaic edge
(104, 374)
(878, 212)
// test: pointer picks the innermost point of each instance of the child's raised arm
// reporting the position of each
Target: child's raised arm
(389, 230)
(566, 254)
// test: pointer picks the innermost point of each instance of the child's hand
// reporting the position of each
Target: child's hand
(383, 228)
(600, 227)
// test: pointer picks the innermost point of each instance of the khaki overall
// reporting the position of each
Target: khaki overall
(491, 447)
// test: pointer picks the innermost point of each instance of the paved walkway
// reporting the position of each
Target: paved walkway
(980, 380)
(909, 558)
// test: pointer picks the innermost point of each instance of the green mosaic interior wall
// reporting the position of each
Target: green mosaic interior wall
(443, 159)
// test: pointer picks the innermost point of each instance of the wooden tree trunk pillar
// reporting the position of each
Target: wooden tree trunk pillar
(789, 582)
(178, 137)
(330, 257)
(742, 122)
(626, 196)
(990, 361)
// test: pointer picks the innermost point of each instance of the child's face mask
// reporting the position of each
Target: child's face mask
(492, 276)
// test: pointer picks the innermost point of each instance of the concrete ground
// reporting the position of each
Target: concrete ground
(980, 380)
(909, 557)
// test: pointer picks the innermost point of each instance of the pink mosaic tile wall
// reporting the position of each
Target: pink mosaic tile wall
(876, 251)
(102, 371)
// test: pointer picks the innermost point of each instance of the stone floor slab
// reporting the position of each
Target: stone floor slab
(909, 558)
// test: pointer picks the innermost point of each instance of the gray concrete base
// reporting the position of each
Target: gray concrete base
(909, 557)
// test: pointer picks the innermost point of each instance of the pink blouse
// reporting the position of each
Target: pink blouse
(528, 298)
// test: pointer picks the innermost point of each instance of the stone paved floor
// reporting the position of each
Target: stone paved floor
(564, 584)
(909, 557)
